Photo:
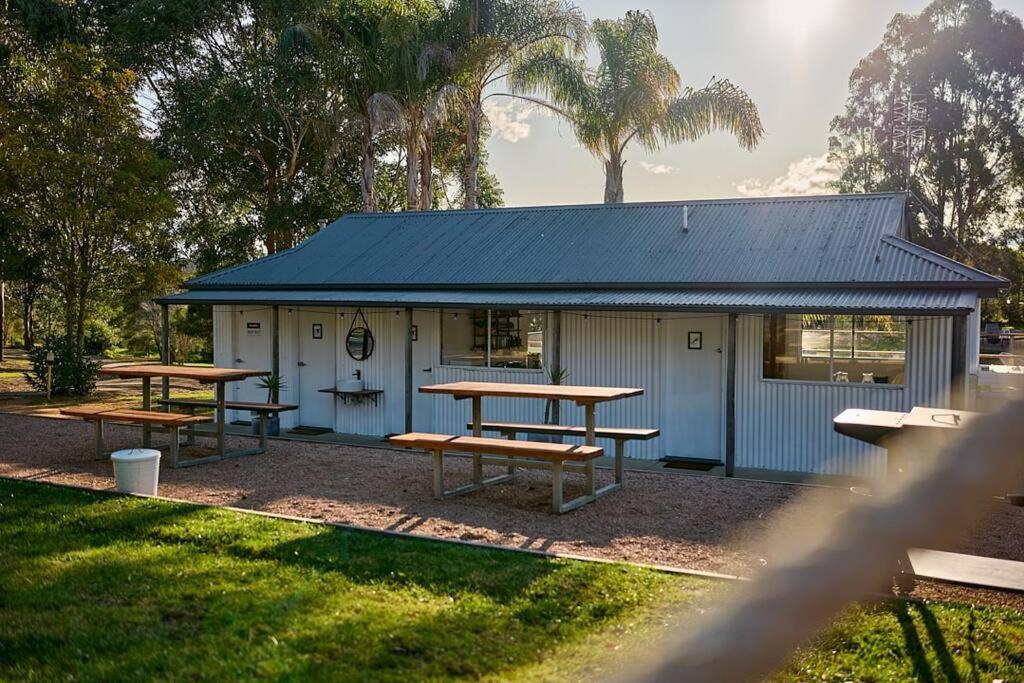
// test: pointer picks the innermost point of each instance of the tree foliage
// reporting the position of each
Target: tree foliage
(90, 194)
(965, 61)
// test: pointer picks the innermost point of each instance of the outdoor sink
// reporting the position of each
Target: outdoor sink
(351, 386)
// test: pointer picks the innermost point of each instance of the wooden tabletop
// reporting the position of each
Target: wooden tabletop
(551, 391)
(202, 374)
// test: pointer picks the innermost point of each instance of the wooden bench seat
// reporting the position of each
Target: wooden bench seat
(512, 449)
(101, 414)
(616, 433)
(515, 454)
(161, 419)
(251, 406)
(620, 435)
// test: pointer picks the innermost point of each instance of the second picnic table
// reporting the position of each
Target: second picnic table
(219, 377)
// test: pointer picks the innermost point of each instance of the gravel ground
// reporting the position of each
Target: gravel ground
(694, 522)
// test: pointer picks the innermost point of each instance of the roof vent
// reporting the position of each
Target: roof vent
(686, 218)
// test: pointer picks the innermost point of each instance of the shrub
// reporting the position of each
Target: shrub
(99, 337)
(72, 375)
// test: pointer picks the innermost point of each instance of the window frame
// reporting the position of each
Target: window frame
(487, 367)
(830, 382)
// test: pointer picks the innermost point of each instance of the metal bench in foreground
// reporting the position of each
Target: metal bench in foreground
(100, 415)
(554, 456)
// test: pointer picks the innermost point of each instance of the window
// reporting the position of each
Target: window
(494, 339)
(870, 349)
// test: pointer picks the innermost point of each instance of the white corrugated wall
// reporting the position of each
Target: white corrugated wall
(779, 425)
(618, 350)
(788, 425)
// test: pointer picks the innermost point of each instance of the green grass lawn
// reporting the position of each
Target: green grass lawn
(100, 587)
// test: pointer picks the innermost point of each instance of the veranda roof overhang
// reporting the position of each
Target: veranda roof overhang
(895, 300)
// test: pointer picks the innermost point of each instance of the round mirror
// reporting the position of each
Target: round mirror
(359, 343)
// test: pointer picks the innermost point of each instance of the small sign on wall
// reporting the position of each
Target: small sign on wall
(695, 341)
(318, 331)
(253, 329)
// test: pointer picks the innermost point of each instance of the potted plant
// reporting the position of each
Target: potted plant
(552, 409)
(274, 384)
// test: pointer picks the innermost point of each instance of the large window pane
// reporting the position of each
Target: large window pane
(517, 339)
(498, 339)
(840, 348)
(877, 350)
(464, 338)
(796, 347)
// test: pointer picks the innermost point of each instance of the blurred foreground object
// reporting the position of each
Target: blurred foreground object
(848, 555)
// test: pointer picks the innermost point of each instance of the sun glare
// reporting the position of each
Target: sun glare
(799, 19)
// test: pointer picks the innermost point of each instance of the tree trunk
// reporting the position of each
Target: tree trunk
(367, 182)
(427, 173)
(270, 216)
(28, 323)
(613, 180)
(412, 169)
(28, 337)
(3, 319)
(469, 182)
(80, 321)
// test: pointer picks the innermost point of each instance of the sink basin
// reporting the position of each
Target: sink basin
(351, 386)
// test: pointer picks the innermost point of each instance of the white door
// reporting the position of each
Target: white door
(316, 368)
(691, 425)
(253, 347)
(425, 357)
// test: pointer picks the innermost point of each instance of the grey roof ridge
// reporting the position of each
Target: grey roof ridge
(944, 262)
(628, 205)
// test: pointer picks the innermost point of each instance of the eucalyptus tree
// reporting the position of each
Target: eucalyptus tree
(89, 194)
(962, 61)
(634, 94)
(487, 39)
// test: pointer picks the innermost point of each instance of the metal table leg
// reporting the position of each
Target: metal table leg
(478, 468)
(220, 418)
(145, 406)
(99, 439)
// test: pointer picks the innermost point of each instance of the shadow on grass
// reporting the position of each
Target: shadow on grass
(944, 667)
(133, 587)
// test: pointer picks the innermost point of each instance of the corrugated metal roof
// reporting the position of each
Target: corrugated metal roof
(889, 300)
(829, 240)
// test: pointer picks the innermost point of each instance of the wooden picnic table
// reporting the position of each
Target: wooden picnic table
(219, 377)
(588, 397)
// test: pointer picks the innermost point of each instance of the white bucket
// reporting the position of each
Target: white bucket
(136, 470)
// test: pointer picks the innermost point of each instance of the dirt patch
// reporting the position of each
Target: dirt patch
(690, 521)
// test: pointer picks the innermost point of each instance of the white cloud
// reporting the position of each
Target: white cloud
(657, 169)
(510, 120)
(810, 175)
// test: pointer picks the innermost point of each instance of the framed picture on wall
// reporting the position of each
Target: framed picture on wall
(318, 331)
(695, 341)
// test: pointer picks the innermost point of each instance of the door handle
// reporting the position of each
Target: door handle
(428, 369)
(301, 364)
(239, 360)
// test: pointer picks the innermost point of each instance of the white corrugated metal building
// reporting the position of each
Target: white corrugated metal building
(750, 323)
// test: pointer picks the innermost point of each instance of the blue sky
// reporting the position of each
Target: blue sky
(793, 56)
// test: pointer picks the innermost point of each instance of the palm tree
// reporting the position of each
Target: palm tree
(488, 38)
(416, 101)
(347, 43)
(633, 94)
